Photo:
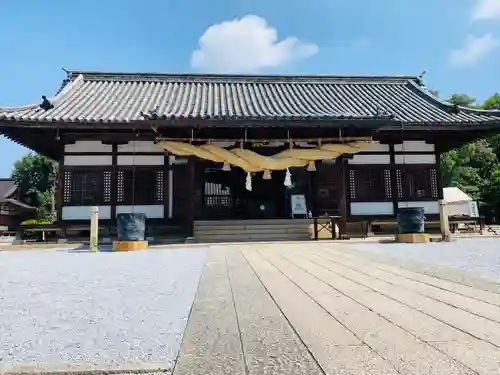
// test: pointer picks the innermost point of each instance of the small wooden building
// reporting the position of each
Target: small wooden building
(12, 210)
(186, 149)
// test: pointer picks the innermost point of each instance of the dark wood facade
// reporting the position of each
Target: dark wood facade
(201, 190)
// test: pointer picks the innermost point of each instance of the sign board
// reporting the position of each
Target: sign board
(299, 206)
(474, 211)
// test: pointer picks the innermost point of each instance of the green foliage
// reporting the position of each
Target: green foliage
(463, 100)
(475, 167)
(493, 102)
(36, 176)
(36, 222)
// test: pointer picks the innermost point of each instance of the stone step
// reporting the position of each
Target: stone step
(251, 230)
(241, 237)
(200, 223)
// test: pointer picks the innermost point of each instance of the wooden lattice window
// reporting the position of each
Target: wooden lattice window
(159, 191)
(107, 186)
(399, 184)
(434, 184)
(67, 187)
(418, 183)
(352, 184)
(388, 183)
(369, 184)
(120, 187)
(86, 188)
(140, 186)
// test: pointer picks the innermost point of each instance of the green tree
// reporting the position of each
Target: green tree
(475, 167)
(492, 102)
(462, 100)
(469, 167)
(435, 93)
(36, 176)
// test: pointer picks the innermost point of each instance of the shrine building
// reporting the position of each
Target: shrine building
(193, 150)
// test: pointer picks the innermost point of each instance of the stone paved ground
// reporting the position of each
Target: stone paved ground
(308, 308)
(317, 308)
(73, 310)
(475, 256)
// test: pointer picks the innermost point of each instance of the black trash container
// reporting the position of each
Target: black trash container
(131, 226)
(411, 220)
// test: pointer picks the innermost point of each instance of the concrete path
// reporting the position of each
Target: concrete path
(325, 309)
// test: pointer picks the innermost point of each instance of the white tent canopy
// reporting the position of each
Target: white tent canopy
(459, 203)
(455, 195)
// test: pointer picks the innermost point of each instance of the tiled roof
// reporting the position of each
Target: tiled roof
(7, 188)
(120, 98)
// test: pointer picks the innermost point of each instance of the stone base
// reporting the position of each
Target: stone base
(413, 238)
(130, 245)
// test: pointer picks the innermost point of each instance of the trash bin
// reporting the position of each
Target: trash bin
(131, 226)
(411, 220)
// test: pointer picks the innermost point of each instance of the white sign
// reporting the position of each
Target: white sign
(299, 206)
(474, 211)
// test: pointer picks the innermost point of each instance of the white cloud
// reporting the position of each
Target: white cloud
(247, 45)
(474, 50)
(486, 9)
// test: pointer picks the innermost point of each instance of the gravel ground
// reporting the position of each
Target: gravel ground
(479, 257)
(104, 310)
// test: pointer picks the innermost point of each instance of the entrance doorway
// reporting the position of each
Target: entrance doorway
(225, 196)
(266, 200)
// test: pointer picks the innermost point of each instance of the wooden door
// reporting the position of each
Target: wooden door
(329, 189)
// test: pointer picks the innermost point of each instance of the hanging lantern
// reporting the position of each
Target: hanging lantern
(311, 167)
(267, 174)
(226, 167)
(288, 179)
(248, 182)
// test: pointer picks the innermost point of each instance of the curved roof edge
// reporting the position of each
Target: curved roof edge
(450, 106)
(56, 99)
(312, 78)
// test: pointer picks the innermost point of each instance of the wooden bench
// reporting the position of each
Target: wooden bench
(369, 224)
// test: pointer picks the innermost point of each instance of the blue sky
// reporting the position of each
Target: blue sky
(456, 41)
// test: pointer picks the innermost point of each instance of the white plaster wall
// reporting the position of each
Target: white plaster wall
(140, 159)
(415, 159)
(414, 146)
(376, 147)
(177, 160)
(151, 211)
(88, 160)
(370, 159)
(83, 212)
(141, 146)
(429, 207)
(372, 208)
(88, 147)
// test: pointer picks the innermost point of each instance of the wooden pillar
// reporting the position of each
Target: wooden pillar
(394, 186)
(313, 183)
(114, 185)
(166, 187)
(343, 193)
(61, 180)
(192, 195)
(440, 182)
(344, 210)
